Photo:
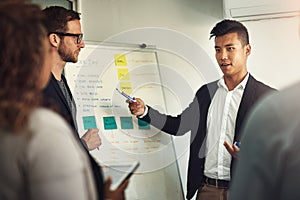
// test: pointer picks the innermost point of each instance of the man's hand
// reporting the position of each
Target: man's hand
(92, 138)
(136, 108)
(232, 149)
(118, 194)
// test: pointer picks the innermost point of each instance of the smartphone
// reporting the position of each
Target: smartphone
(119, 172)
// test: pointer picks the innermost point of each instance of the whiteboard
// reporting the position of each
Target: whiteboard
(92, 80)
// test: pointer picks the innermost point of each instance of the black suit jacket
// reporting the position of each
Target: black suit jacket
(54, 98)
(194, 119)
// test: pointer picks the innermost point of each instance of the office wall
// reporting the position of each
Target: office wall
(275, 42)
(275, 51)
(104, 18)
(45, 3)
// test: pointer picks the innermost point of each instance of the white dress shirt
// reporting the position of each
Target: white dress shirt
(221, 120)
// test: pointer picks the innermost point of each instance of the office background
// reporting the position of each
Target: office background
(275, 42)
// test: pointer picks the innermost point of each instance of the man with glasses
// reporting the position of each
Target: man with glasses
(64, 31)
(65, 36)
(78, 36)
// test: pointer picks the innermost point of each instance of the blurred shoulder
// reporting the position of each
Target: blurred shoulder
(43, 118)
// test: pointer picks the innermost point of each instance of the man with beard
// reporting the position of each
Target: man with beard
(65, 36)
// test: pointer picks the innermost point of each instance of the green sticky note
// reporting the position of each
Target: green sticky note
(89, 122)
(109, 123)
(143, 125)
(126, 123)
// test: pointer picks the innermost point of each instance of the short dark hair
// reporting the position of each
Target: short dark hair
(57, 18)
(231, 26)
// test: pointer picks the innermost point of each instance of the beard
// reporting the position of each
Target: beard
(66, 54)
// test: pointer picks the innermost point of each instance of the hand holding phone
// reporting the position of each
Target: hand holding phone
(119, 172)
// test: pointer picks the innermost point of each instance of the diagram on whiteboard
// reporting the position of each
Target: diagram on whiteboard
(93, 81)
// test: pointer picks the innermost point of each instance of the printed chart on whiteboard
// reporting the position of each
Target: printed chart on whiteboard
(94, 80)
(101, 82)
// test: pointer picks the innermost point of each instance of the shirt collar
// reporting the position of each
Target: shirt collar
(242, 85)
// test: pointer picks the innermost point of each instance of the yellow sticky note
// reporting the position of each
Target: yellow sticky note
(123, 74)
(126, 87)
(120, 60)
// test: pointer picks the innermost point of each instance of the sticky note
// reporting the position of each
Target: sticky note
(126, 87)
(143, 125)
(126, 123)
(123, 74)
(89, 122)
(109, 123)
(120, 60)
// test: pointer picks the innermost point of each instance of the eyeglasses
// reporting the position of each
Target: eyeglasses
(79, 36)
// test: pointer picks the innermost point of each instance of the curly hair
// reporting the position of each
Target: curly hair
(21, 62)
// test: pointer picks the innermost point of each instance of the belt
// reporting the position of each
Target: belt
(216, 182)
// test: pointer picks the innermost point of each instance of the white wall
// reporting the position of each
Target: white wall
(275, 43)
(275, 51)
(102, 19)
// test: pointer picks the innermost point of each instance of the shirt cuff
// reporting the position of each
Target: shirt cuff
(145, 112)
(84, 144)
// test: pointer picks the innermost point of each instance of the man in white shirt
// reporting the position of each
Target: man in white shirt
(215, 116)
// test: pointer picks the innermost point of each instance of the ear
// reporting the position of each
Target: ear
(54, 39)
(248, 49)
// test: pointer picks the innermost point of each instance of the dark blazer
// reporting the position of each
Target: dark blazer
(54, 98)
(194, 119)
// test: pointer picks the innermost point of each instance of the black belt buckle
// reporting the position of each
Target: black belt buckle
(216, 182)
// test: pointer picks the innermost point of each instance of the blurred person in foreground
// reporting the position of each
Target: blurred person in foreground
(40, 157)
(215, 116)
(269, 164)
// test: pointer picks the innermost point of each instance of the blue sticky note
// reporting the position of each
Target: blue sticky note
(126, 123)
(89, 122)
(109, 123)
(143, 125)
